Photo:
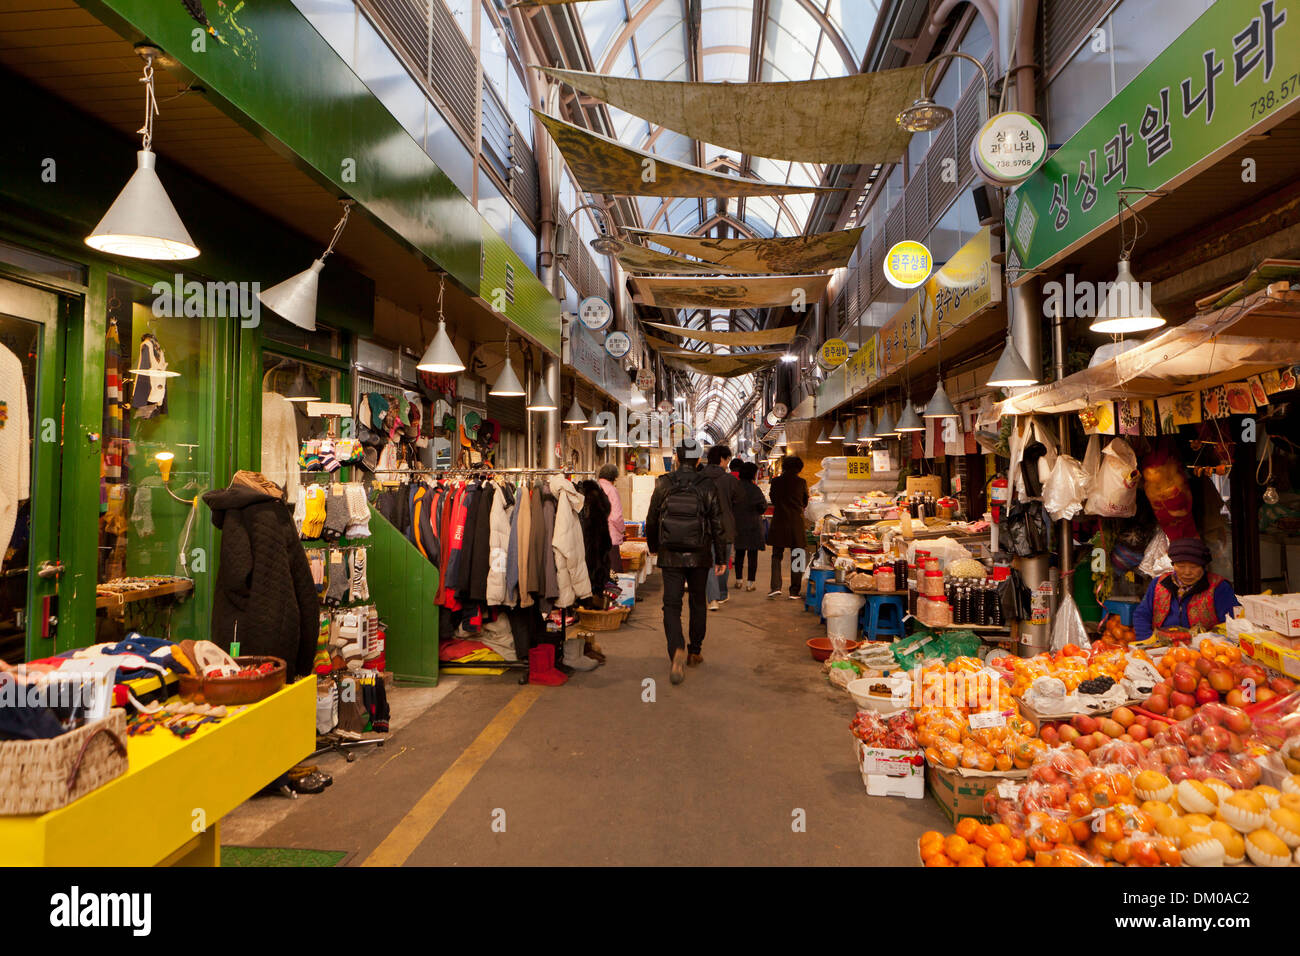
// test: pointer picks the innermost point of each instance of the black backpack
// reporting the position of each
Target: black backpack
(683, 520)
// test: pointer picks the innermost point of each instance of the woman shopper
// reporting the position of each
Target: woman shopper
(749, 524)
(608, 475)
(787, 533)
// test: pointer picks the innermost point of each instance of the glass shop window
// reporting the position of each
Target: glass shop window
(158, 429)
(291, 388)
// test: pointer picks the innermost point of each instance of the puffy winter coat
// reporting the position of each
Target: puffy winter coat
(265, 597)
(683, 480)
(596, 524)
(498, 545)
(570, 549)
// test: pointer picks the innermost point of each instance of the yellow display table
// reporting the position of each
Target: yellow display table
(166, 809)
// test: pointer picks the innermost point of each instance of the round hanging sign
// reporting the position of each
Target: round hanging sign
(833, 354)
(645, 379)
(618, 344)
(1009, 148)
(594, 312)
(908, 264)
(665, 406)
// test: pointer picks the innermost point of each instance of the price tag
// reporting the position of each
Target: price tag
(987, 720)
(1008, 790)
(234, 648)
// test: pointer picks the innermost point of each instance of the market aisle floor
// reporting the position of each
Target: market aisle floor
(718, 770)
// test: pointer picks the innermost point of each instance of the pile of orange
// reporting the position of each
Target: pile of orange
(950, 742)
(974, 844)
(1217, 651)
(1071, 665)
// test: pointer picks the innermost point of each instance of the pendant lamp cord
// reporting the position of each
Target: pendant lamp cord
(150, 103)
(338, 227)
(442, 282)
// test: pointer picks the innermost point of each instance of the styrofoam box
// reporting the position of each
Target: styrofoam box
(881, 785)
(1277, 612)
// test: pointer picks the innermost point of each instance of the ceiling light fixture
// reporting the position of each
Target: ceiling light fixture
(837, 431)
(441, 356)
(1127, 308)
(542, 401)
(507, 383)
(294, 299)
(142, 222)
(925, 114)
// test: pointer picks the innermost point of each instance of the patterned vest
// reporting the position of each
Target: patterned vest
(1200, 606)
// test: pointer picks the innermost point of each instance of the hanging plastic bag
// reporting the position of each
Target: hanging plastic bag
(1091, 465)
(1027, 530)
(1066, 489)
(1114, 491)
(1068, 627)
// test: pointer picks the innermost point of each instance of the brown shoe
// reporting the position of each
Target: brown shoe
(693, 659)
(678, 672)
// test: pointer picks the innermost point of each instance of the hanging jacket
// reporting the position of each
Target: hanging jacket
(568, 545)
(422, 534)
(512, 554)
(537, 541)
(597, 523)
(456, 526)
(523, 546)
(280, 444)
(498, 545)
(460, 579)
(482, 554)
(265, 597)
(550, 574)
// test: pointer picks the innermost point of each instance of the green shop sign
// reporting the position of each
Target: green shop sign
(1233, 71)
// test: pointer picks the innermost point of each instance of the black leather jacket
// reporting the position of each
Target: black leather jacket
(709, 556)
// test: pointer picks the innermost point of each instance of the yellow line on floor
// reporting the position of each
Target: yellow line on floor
(424, 816)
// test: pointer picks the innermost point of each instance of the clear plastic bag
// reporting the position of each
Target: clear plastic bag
(1066, 489)
(1113, 493)
(1156, 559)
(1068, 627)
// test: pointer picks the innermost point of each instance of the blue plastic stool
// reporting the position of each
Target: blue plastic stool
(1123, 608)
(815, 588)
(882, 614)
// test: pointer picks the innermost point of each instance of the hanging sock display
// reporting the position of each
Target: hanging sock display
(360, 586)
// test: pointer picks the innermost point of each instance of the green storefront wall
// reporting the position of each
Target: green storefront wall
(91, 162)
(284, 83)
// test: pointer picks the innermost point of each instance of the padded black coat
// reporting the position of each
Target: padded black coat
(265, 597)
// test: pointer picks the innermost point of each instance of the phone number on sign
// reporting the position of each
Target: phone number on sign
(1273, 98)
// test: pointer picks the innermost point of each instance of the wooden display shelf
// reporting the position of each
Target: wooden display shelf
(144, 594)
(212, 772)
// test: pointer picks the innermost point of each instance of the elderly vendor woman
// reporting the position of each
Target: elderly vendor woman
(1190, 597)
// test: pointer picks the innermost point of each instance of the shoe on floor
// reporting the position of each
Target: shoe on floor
(693, 659)
(714, 605)
(749, 586)
(775, 592)
(678, 672)
(575, 657)
(722, 601)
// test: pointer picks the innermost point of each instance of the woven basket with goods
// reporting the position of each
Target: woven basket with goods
(633, 561)
(610, 620)
(37, 776)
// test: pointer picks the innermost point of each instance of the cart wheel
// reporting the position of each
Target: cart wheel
(350, 756)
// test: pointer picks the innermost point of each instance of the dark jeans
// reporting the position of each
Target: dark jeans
(796, 577)
(740, 563)
(695, 581)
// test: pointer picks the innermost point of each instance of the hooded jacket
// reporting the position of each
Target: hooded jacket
(498, 545)
(265, 597)
(570, 549)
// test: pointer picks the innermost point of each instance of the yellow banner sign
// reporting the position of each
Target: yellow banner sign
(859, 468)
(860, 370)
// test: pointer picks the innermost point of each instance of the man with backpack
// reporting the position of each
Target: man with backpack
(684, 530)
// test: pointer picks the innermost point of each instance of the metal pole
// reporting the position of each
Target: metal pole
(551, 427)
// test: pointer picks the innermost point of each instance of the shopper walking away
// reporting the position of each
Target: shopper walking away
(684, 529)
(608, 475)
(728, 496)
(787, 533)
(749, 524)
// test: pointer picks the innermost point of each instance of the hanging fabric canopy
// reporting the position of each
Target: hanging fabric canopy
(753, 292)
(636, 258)
(604, 165)
(821, 251)
(846, 119)
(759, 337)
(723, 366)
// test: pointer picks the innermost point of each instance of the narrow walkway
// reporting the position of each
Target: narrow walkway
(714, 771)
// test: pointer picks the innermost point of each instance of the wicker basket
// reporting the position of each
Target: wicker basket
(37, 776)
(610, 620)
(633, 561)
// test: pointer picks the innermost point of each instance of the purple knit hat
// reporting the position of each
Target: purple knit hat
(1192, 550)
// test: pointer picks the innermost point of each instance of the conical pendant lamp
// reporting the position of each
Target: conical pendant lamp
(142, 222)
(823, 435)
(575, 415)
(593, 423)
(885, 428)
(541, 401)
(837, 431)
(851, 431)
(1011, 370)
(909, 421)
(940, 406)
(294, 299)
(441, 357)
(507, 383)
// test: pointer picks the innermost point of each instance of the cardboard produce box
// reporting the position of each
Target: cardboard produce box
(961, 794)
(1272, 651)
(891, 773)
(1277, 612)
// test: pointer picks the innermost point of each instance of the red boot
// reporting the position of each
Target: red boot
(541, 667)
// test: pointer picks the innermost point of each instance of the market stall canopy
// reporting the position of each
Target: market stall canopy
(606, 166)
(758, 338)
(755, 292)
(821, 251)
(843, 119)
(722, 366)
(1258, 334)
(636, 258)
